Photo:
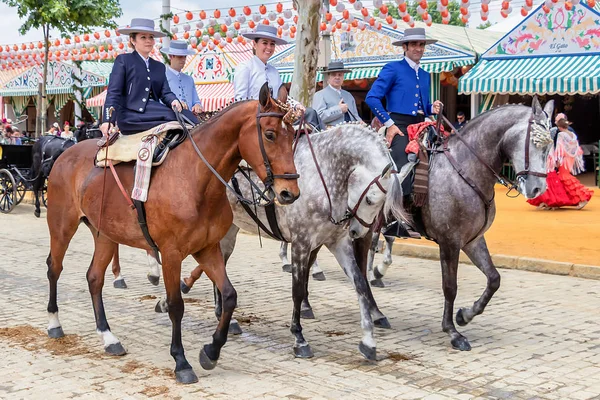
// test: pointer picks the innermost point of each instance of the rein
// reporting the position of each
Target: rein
(504, 181)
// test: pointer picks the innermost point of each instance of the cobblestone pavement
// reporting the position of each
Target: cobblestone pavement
(539, 338)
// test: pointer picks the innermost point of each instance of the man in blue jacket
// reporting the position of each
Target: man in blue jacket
(405, 87)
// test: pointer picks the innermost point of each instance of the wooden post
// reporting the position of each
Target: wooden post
(307, 50)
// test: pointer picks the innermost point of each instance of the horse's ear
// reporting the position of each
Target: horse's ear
(282, 94)
(264, 95)
(549, 108)
(536, 106)
(387, 171)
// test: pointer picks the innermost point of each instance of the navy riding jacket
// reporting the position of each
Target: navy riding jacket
(132, 86)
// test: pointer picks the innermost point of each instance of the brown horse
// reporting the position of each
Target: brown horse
(187, 211)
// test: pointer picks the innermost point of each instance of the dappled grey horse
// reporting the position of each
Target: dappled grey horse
(460, 206)
(356, 168)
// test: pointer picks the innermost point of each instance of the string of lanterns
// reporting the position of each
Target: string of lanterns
(219, 28)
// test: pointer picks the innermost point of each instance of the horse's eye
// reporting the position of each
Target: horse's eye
(270, 135)
(369, 202)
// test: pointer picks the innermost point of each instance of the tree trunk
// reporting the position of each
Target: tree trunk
(78, 103)
(43, 105)
(307, 51)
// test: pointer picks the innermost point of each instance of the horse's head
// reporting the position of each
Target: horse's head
(368, 195)
(528, 149)
(266, 145)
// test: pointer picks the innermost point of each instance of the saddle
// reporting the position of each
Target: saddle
(125, 148)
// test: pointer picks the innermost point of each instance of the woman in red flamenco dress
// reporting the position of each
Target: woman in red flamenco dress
(564, 160)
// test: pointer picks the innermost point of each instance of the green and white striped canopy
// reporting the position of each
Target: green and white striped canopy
(373, 72)
(539, 75)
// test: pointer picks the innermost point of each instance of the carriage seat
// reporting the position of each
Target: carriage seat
(126, 148)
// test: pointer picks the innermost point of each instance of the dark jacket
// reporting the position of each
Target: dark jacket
(132, 86)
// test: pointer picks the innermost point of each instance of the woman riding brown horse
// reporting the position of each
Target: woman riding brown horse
(187, 211)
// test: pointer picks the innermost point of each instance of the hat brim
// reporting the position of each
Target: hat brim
(402, 41)
(276, 39)
(336, 70)
(129, 31)
(187, 52)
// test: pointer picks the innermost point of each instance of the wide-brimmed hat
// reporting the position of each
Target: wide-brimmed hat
(178, 48)
(265, 32)
(559, 116)
(336, 66)
(414, 35)
(141, 25)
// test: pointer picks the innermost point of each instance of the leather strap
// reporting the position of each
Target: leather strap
(141, 215)
(273, 234)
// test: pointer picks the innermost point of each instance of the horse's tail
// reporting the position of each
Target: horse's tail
(394, 203)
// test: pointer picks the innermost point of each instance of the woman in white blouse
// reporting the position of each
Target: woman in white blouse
(252, 74)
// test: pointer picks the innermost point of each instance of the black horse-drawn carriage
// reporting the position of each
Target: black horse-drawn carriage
(15, 165)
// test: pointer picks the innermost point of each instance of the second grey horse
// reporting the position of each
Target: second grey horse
(456, 216)
(356, 168)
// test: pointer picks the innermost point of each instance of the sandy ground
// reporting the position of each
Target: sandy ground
(567, 234)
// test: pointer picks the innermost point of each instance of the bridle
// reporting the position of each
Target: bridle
(503, 180)
(350, 212)
(353, 213)
(269, 182)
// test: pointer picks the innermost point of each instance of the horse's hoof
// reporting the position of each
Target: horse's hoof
(287, 268)
(115, 349)
(382, 323)
(154, 280)
(56, 333)
(161, 307)
(377, 274)
(460, 319)
(303, 351)
(185, 289)
(319, 276)
(461, 343)
(377, 283)
(370, 353)
(36, 213)
(307, 313)
(186, 376)
(120, 284)
(206, 362)
(234, 328)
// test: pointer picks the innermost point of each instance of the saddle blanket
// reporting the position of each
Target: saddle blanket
(127, 147)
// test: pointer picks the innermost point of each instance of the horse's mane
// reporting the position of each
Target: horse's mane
(481, 118)
(356, 134)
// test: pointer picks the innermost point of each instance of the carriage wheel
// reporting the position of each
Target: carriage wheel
(45, 193)
(21, 189)
(7, 191)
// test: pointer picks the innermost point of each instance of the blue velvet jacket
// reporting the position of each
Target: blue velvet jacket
(401, 87)
(131, 85)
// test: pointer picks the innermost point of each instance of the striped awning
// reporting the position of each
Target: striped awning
(373, 72)
(540, 75)
(212, 96)
(215, 96)
(96, 101)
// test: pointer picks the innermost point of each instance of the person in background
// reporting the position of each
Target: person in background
(56, 129)
(181, 84)
(67, 133)
(461, 120)
(333, 104)
(564, 161)
(17, 136)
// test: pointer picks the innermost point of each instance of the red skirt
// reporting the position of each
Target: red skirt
(563, 190)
